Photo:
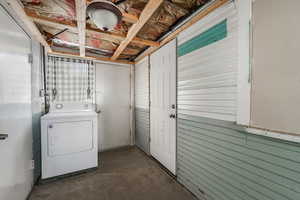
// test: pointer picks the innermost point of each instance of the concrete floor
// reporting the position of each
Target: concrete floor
(123, 174)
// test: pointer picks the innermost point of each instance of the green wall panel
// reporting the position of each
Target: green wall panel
(142, 129)
(220, 160)
(214, 34)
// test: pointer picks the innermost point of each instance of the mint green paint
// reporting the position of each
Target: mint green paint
(36, 146)
(214, 34)
(142, 129)
(221, 161)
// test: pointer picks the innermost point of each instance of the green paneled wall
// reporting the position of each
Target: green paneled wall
(213, 34)
(142, 129)
(220, 160)
(36, 146)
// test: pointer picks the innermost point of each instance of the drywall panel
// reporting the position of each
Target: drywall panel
(113, 97)
(16, 172)
(142, 118)
(275, 68)
(207, 66)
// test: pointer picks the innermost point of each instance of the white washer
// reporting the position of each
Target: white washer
(69, 139)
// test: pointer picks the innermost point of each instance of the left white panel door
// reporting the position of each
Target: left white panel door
(16, 175)
(113, 98)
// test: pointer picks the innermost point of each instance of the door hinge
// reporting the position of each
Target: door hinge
(30, 58)
(31, 164)
(42, 93)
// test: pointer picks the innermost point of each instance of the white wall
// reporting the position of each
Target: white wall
(113, 95)
(244, 83)
(16, 174)
(207, 76)
(142, 84)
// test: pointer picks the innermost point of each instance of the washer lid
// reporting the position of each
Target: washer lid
(66, 115)
(63, 107)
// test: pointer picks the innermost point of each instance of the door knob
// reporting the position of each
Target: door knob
(3, 136)
(172, 116)
(98, 111)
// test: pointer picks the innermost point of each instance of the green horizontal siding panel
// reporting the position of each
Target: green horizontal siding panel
(220, 160)
(36, 139)
(142, 129)
(214, 34)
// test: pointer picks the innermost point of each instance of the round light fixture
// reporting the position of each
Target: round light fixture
(104, 14)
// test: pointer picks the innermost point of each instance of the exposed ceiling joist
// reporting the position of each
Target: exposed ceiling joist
(196, 18)
(73, 28)
(28, 23)
(129, 17)
(148, 11)
(105, 59)
(81, 23)
(71, 25)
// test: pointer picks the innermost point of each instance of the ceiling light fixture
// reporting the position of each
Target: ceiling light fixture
(104, 14)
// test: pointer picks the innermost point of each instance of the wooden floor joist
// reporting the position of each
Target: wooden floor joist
(129, 17)
(18, 9)
(81, 27)
(148, 11)
(189, 23)
(105, 59)
(72, 26)
(81, 23)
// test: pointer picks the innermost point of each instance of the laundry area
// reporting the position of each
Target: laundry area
(149, 99)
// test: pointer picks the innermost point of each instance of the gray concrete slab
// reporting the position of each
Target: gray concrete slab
(123, 174)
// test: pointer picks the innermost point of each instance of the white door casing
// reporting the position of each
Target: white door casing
(163, 105)
(113, 99)
(16, 172)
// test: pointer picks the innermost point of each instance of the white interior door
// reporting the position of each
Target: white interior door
(16, 175)
(113, 99)
(163, 106)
